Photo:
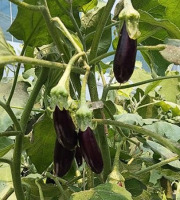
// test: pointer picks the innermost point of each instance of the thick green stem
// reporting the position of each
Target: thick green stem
(100, 128)
(11, 115)
(27, 110)
(10, 133)
(102, 23)
(53, 30)
(155, 166)
(117, 155)
(174, 147)
(15, 165)
(44, 63)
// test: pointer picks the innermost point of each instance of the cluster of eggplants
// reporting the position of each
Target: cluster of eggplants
(125, 56)
(66, 141)
(66, 145)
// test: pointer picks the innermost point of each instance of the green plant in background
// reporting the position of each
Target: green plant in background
(136, 124)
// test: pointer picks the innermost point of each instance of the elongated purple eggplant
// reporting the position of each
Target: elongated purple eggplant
(90, 150)
(65, 129)
(62, 159)
(78, 156)
(125, 56)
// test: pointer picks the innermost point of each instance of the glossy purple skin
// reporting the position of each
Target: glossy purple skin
(78, 156)
(65, 129)
(62, 159)
(125, 57)
(90, 150)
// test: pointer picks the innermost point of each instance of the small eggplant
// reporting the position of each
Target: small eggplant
(62, 159)
(78, 156)
(90, 150)
(65, 129)
(125, 56)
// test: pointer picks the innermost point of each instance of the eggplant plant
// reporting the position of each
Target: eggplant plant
(95, 112)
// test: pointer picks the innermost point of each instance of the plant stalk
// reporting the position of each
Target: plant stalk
(174, 147)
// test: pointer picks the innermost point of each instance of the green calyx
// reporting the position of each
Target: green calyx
(131, 17)
(84, 117)
(59, 96)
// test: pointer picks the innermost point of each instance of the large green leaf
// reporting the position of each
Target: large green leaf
(172, 10)
(170, 88)
(166, 129)
(103, 192)
(19, 99)
(30, 26)
(151, 6)
(6, 144)
(164, 152)
(130, 118)
(50, 191)
(135, 187)
(171, 28)
(89, 22)
(41, 149)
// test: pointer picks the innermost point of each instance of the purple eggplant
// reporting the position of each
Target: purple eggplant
(65, 129)
(125, 56)
(90, 150)
(62, 159)
(78, 156)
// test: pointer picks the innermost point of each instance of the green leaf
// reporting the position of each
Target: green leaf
(169, 106)
(170, 88)
(50, 191)
(30, 26)
(154, 58)
(111, 106)
(151, 87)
(166, 129)
(171, 28)
(34, 28)
(103, 192)
(171, 54)
(135, 187)
(89, 6)
(89, 23)
(5, 48)
(6, 144)
(19, 99)
(140, 74)
(172, 10)
(164, 152)
(41, 149)
(130, 118)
